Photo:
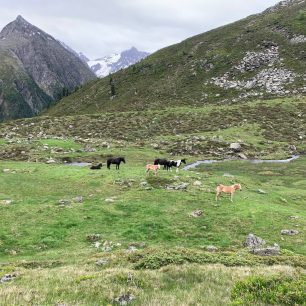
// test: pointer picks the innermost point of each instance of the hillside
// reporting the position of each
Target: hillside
(262, 56)
(35, 70)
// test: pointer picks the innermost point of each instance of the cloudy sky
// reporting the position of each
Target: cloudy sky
(101, 27)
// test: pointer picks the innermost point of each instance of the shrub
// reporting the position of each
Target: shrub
(276, 290)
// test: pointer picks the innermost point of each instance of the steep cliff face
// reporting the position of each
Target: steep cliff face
(35, 69)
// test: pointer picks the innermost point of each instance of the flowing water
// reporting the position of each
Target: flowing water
(253, 161)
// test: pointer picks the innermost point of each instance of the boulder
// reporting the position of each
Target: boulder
(78, 199)
(7, 278)
(235, 146)
(267, 251)
(253, 241)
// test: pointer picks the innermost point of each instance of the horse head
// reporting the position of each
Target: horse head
(122, 159)
(183, 161)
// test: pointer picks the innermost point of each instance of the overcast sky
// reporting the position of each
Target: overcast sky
(102, 27)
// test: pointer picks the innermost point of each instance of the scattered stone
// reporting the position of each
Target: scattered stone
(132, 249)
(211, 248)
(97, 244)
(64, 202)
(181, 186)
(7, 278)
(50, 161)
(102, 262)
(196, 213)
(289, 232)
(109, 200)
(293, 217)
(137, 244)
(143, 184)
(267, 251)
(93, 237)
(7, 202)
(6, 170)
(124, 299)
(197, 183)
(78, 199)
(242, 156)
(253, 241)
(261, 191)
(235, 146)
(228, 175)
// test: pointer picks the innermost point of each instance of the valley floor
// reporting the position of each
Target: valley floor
(73, 236)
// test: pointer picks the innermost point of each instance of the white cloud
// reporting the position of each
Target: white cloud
(100, 27)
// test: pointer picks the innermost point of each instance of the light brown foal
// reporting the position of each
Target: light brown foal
(227, 189)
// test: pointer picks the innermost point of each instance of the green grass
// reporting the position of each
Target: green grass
(44, 242)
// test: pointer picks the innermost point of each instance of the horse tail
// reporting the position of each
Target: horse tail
(108, 164)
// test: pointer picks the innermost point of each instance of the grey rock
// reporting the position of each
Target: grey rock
(64, 202)
(124, 299)
(235, 146)
(78, 199)
(266, 251)
(102, 262)
(253, 241)
(7, 278)
(261, 191)
(197, 183)
(93, 237)
(211, 248)
(181, 186)
(196, 213)
(290, 232)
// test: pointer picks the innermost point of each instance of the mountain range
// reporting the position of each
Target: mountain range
(259, 57)
(115, 62)
(35, 70)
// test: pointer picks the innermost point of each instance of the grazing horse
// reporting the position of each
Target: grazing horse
(162, 162)
(227, 189)
(176, 163)
(96, 167)
(116, 161)
(154, 168)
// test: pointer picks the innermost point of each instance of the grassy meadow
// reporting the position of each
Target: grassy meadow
(148, 245)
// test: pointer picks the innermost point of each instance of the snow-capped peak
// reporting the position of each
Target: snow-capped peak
(112, 63)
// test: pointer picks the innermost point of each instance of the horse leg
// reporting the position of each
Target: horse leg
(218, 195)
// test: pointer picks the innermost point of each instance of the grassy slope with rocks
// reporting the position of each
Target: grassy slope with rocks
(43, 241)
(261, 56)
(266, 129)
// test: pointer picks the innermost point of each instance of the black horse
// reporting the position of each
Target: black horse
(116, 161)
(162, 162)
(96, 167)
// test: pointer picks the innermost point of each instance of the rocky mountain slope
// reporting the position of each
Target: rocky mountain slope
(262, 56)
(35, 70)
(115, 62)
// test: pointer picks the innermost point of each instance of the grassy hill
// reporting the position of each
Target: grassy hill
(261, 56)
